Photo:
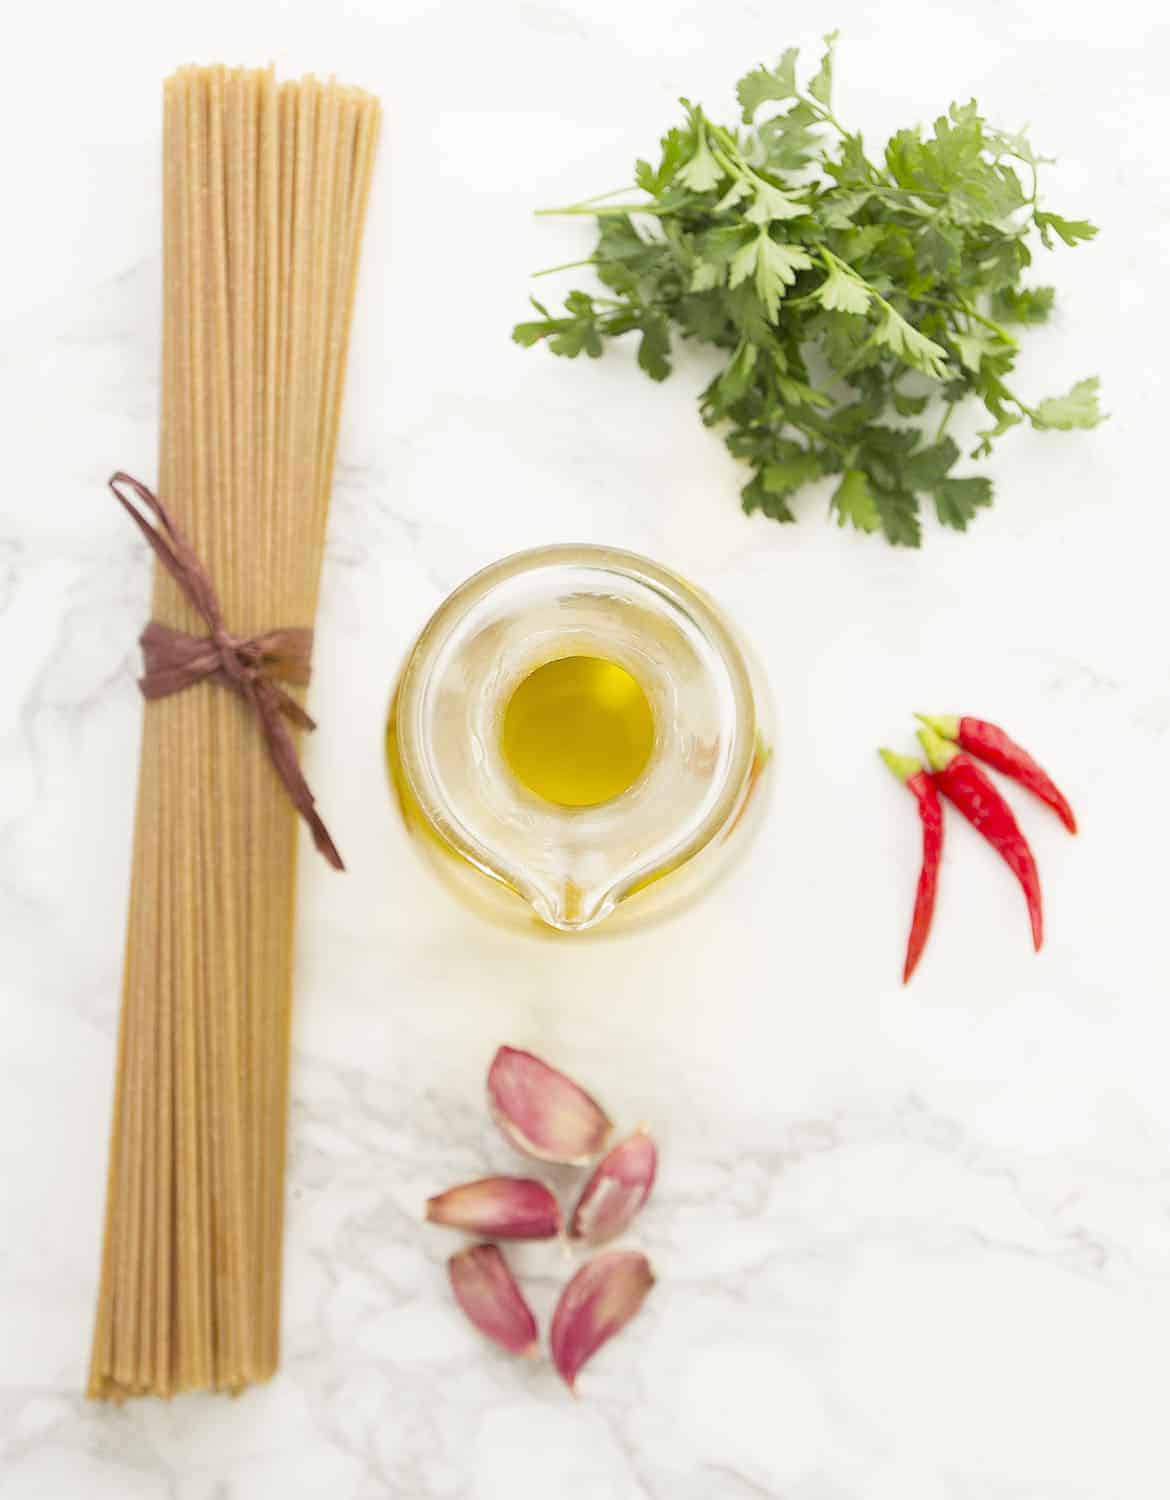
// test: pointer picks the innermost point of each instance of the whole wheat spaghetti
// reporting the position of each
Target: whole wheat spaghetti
(265, 189)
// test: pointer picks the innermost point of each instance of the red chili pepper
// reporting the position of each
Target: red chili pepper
(914, 776)
(989, 743)
(962, 782)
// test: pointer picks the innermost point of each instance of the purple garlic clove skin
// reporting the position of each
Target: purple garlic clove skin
(506, 1208)
(487, 1292)
(543, 1113)
(619, 1186)
(598, 1302)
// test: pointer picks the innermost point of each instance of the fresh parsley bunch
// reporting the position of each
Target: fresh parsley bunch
(845, 292)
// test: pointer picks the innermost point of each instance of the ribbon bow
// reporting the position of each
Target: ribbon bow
(174, 660)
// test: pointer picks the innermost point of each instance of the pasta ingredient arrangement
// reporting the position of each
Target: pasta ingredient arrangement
(265, 192)
(842, 292)
(544, 1114)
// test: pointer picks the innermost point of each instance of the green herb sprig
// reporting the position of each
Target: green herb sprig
(843, 291)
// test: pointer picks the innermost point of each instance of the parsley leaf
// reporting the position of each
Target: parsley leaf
(929, 466)
(1069, 230)
(775, 267)
(905, 341)
(736, 378)
(821, 84)
(852, 300)
(654, 348)
(701, 171)
(1023, 305)
(957, 500)
(757, 496)
(908, 406)
(974, 345)
(853, 502)
(898, 513)
(792, 467)
(770, 203)
(842, 292)
(764, 84)
(1078, 409)
(674, 151)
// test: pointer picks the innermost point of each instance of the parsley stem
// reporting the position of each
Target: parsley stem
(996, 328)
(825, 115)
(1029, 411)
(569, 265)
(965, 307)
(604, 209)
(613, 193)
(897, 192)
(946, 418)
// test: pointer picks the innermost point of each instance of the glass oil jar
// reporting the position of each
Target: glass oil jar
(577, 736)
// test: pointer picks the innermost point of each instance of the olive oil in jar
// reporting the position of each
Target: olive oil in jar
(574, 739)
(578, 731)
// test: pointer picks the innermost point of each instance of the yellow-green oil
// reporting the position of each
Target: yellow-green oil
(578, 731)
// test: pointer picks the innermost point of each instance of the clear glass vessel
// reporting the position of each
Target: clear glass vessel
(610, 786)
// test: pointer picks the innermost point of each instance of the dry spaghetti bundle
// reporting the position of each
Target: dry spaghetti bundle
(265, 189)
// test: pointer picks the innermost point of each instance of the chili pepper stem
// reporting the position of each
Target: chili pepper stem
(946, 725)
(939, 751)
(903, 766)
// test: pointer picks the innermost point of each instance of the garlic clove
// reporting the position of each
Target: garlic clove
(506, 1208)
(598, 1302)
(487, 1292)
(542, 1112)
(616, 1191)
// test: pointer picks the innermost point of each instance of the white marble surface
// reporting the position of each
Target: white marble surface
(911, 1245)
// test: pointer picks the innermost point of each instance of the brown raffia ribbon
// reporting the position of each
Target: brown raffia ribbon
(174, 660)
